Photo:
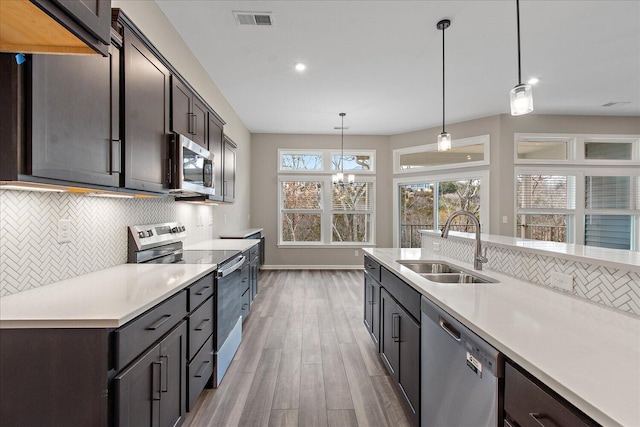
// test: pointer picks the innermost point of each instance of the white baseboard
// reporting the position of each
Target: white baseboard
(313, 267)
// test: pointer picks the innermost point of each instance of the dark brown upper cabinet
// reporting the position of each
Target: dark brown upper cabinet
(215, 137)
(229, 172)
(74, 119)
(145, 116)
(55, 26)
(188, 113)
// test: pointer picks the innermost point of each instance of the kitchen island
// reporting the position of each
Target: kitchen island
(588, 354)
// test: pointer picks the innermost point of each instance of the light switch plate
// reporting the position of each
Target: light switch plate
(562, 281)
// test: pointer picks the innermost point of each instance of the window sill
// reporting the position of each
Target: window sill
(323, 246)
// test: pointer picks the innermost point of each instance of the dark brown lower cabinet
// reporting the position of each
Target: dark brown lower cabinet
(400, 350)
(372, 307)
(529, 403)
(152, 390)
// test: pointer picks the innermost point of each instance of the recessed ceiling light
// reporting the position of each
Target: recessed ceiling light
(300, 67)
(533, 80)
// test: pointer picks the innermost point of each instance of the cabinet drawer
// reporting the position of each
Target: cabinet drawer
(402, 292)
(200, 324)
(199, 371)
(372, 267)
(528, 403)
(137, 335)
(200, 291)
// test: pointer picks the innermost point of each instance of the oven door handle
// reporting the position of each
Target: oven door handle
(227, 271)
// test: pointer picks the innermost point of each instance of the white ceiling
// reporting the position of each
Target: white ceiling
(380, 61)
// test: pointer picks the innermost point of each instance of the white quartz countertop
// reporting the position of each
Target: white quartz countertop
(241, 234)
(612, 258)
(103, 299)
(223, 244)
(588, 354)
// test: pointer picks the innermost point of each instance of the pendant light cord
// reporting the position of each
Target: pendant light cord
(443, 79)
(518, 24)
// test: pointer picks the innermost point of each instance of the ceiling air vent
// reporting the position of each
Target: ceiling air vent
(264, 19)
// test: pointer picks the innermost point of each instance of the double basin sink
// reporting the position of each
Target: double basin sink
(442, 272)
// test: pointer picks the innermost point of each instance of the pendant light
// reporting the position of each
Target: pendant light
(522, 95)
(444, 139)
(338, 178)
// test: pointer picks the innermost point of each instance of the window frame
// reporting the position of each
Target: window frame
(326, 210)
(485, 207)
(576, 217)
(326, 156)
(484, 140)
(576, 148)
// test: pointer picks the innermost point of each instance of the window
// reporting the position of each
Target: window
(314, 211)
(594, 201)
(465, 152)
(544, 203)
(425, 204)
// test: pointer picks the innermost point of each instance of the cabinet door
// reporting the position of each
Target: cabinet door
(173, 379)
(389, 333)
(199, 119)
(146, 116)
(229, 176)
(372, 308)
(74, 131)
(138, 392)
(214, 136)
(409, 375)
(180, 108)
(93, 15)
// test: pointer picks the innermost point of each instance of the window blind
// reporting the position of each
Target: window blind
(357, 197)
(608, 231)
(545, 191)
(608, 192)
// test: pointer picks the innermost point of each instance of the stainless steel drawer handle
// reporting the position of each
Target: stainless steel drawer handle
(537, 417)
(201, 291)
(202, 369)
(449, 329)
(201, 325)
(156, 371)
(158, 323)
(164, 366)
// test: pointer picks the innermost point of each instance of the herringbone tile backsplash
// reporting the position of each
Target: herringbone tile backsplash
(30, 255)
(612, 287)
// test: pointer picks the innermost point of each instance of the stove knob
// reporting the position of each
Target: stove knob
(174, 230)
(182, 228)
(141, 234)
(149, 233)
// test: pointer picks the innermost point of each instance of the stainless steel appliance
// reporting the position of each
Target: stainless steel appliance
(192, 168)
(162, 244)
(462, 376)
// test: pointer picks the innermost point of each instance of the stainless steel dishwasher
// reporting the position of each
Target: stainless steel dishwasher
(461, 374)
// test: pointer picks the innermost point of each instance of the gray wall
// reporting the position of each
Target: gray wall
(264, 196)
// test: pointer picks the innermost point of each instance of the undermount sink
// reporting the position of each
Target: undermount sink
(443, 272)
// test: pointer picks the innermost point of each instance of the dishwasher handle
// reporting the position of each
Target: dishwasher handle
(449, 329)
(228, 270)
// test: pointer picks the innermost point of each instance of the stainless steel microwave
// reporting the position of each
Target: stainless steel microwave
(192, 169)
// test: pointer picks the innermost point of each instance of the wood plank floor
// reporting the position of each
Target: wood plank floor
(306, 359)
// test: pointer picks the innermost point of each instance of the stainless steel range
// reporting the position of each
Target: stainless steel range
(163, 244)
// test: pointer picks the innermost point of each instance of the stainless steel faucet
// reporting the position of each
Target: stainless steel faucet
(479, 258)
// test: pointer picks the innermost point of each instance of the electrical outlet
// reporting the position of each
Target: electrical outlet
(64, 231)
(562, 281)
(210, 219)
(357, 252)
(505, 220)
(225, 218)
(435, 246)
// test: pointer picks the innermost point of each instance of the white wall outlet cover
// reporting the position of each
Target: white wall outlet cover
(435, 246)
(357, 252)
(562, 281)
(64, 231)
(505, 219)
